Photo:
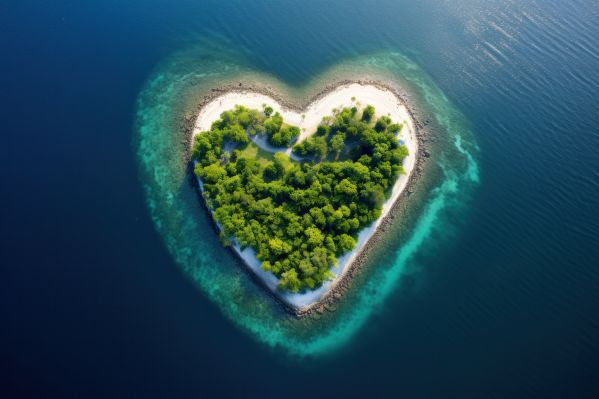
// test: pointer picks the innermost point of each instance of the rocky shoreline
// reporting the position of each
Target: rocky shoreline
(328, 302)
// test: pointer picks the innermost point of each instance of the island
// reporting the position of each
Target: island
(298, 193)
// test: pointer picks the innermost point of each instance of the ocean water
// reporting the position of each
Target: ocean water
(114, 285)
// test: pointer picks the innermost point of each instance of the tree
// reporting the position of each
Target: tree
(382, 123)
(300, 149)
(320, 258)
(358, 171)
(284, 137)
(394, 128)
(372, 194)
(273, 124)
(235, 134)
(212, 173)
(322, 130)
(293, 134)
(345, 243)
(278, 246)
(337, 142)
(315, 236)
(368, 113)
(306, 268)
(273, 170)
(289, 281)
(319, 147)
(346, 188)
(318, 216)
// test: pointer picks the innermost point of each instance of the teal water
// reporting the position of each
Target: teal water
(174, 203)
(112, 281)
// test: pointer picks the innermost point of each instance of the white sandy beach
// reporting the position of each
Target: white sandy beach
(384, 101)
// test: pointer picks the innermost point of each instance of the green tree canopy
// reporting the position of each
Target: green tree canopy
(298, 216)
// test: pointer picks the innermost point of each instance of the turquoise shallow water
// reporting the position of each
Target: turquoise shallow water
(171, 92)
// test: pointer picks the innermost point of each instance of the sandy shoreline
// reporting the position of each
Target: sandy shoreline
(386, 102)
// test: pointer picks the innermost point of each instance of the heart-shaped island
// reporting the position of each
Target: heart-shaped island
(297, 194)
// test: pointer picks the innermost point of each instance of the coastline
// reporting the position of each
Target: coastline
(226, 96)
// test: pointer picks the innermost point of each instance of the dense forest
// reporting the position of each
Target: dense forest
(298, 216)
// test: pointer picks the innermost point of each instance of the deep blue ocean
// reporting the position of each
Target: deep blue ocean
(93, 304)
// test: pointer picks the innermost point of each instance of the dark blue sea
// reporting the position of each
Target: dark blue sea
(493, 291)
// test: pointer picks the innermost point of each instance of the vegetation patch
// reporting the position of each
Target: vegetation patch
(299, 216)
